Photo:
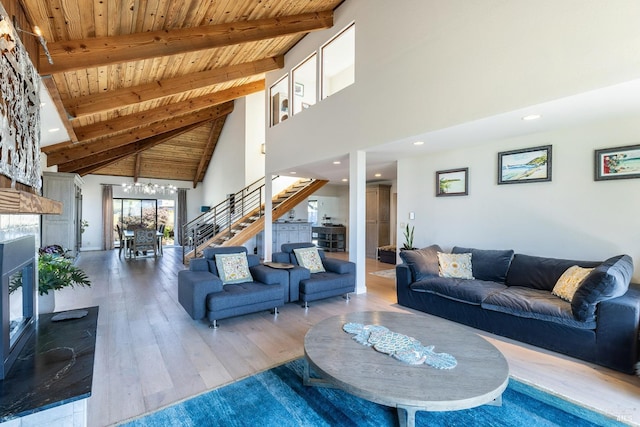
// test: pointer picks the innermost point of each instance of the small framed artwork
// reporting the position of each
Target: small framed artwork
(452, 182)
(526, 165)
(617, 163)
(298, 89)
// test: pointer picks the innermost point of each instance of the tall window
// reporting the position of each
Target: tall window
(148, 213)
(338, 62)
(304, 84)
(312, 212)
(279, 95)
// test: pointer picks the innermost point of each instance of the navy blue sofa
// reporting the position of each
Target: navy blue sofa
(511, 296)
(338, 279)
(202, 293)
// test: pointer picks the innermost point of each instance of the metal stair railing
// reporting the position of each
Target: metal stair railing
(219, 219)
(230, 218)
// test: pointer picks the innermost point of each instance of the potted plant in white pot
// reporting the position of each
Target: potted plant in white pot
(55, 272)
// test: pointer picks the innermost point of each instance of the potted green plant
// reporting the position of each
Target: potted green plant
(408, 237)
(55, 272)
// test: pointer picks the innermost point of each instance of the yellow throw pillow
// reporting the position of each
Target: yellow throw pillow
(455, 265)
(570, 281)
(309, 258)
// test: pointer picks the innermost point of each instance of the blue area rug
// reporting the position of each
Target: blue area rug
(277, 398)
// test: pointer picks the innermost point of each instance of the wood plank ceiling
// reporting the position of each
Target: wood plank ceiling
(146, 86)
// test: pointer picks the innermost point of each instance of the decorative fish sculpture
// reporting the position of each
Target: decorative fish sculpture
(399, 346)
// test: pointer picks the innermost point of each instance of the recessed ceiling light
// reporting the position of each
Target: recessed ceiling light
(293, 172)
(531, 117)
(337, 162)
(344, 180)
(378, 175)
(418, 143)
(54, 130)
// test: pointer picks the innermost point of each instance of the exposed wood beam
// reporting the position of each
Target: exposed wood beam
(109, 157)
(136, 168)
(125, 97)
(155, 115)
(100, 51)
(212, 140)
(81, 150)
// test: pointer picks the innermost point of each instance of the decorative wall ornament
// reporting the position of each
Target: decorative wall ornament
(19, 110)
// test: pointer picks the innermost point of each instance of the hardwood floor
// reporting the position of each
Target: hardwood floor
(150, 353)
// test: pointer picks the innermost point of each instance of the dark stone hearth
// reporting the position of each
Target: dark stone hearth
(54, 368)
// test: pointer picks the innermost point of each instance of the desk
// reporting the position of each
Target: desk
(128, 237)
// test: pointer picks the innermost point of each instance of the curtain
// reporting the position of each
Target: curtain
(182, 215)
(107, 217)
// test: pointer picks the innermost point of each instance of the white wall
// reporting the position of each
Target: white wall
(254, 136)
(423, 65)
(572, 217)
(92, 203)
(226, 172)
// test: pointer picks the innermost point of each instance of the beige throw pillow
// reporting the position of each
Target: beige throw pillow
(455, 265)
(233, 268)
(309, 258)
(570, 281)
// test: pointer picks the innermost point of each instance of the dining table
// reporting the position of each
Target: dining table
(128, 238)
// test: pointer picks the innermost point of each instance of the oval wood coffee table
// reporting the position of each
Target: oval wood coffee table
(480, 377)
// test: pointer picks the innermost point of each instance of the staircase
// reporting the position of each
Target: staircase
(241, 216)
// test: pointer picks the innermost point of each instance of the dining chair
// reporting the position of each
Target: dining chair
(160, 236)
(121, 239)
(144, 240)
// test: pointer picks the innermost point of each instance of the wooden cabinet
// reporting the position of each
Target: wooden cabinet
(63, 229)
(330, 238)
(285, 232)
(378, 218)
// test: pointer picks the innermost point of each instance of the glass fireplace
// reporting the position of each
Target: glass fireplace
(17, 297)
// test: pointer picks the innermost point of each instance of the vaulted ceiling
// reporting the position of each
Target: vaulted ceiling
(144, 87)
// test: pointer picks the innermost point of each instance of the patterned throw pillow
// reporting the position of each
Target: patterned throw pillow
(233, 268)
(455, 265)
(570, 281)
(309, 258)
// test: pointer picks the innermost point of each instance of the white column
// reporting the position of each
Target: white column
(357, 215)
(267, 242)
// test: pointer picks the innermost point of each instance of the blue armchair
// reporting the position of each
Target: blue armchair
(204, 291)
(339, 277)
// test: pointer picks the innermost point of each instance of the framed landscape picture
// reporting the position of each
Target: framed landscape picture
(617, 163)
(452, 182)
(526, 165)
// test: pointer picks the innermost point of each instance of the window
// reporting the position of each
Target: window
(338, 62)
(304, 84)
(279, 95)
(312, 211)
(149, 213)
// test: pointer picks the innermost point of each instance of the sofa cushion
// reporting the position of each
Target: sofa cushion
(455, 265)
(309, 259)
(608, 280)
(539, 272)
(468, 291)
(423, 262)
(534, 304)
(568, 283)
(233, 268)
(488, 264)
